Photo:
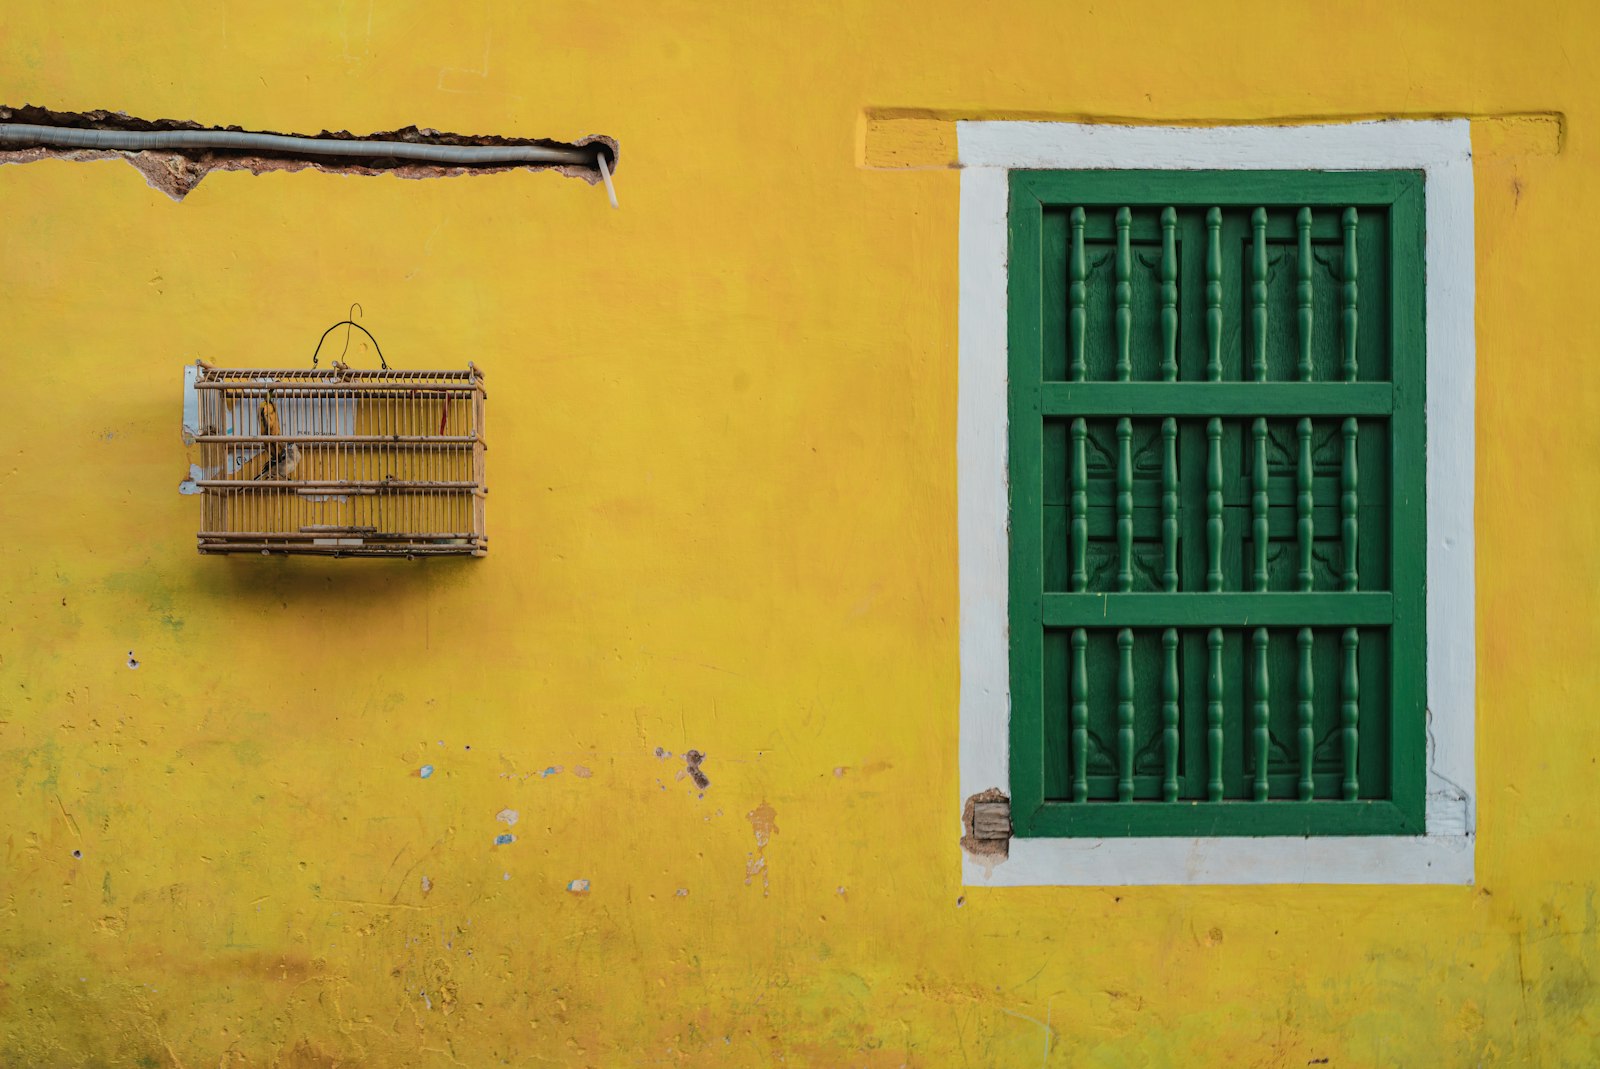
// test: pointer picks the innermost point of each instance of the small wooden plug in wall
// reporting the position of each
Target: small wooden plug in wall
(339, 462)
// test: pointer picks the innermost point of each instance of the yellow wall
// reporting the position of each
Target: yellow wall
(723, 517)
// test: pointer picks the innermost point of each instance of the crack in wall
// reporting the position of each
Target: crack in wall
(176, 173)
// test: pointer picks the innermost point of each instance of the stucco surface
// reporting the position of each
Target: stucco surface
(723, 518)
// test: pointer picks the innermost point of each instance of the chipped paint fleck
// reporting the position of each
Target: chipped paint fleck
(508, 817)
(691, 762)
(425, 771)
(579, 887)
(763, 822)
(504, 839)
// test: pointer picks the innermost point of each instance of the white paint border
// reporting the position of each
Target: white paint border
(1443, 151)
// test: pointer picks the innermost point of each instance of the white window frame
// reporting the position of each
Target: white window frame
(1442, 150)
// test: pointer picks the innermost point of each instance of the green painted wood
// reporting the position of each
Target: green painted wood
(1214, 699)
(1214, 294)
(1112, 532)
(1323, 609)
(1258, 294)
(1124, 296)
(1217, 399)
(1169, 295)
(1351, 291)
(1025, 434)
(1304, 501)
(1169, 714)
(1261, 714)
(1408, 654)
(1077, 316)
(1125, 686)
(1303, 292)
(1223, 189)
(1350, 715)
(1169, 505)
(1080, 716)
(1124, 505)
(1260, 532)
(1214, 505)
(1080, 505)
(1349, 507)
(1111, 819)
(1305, 710)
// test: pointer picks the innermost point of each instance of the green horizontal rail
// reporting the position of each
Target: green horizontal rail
(1227, 188)
(1197, 818)
(1364, 609)
(1216, 399)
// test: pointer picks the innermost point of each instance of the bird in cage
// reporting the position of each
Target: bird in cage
(284, 457)
(282, 464)
(268, 415)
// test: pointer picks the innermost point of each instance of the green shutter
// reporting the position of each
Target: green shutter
(1217, 518)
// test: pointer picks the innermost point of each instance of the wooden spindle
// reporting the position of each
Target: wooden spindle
(1350, 713)
(1351, 288)
(1261, 711)
(1080, 506)
(1214, 504)
(1080, 716)
(1303, 292)
(1124, 296)
(1169, 505)
(1258, 294)
(1169, 295)
(1169, 714)
(1214, 714)
(1214, 295)
(1259, 532)
(1125, 715)
(1303, 500)
(1349, 500)
(1304, 711)
(1124, 504)
(1077, 293)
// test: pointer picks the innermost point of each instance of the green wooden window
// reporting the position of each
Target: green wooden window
(1217, 527)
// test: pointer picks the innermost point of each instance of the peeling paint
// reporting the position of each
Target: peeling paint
(508, 817)
(691, 761)
(504, 839)
(425, 771)
(579, 887)
(987, 825)
(191, 406)
(177, 173)
(764, 823)
(188, 486)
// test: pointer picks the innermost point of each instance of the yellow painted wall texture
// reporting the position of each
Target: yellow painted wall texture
(723, 518)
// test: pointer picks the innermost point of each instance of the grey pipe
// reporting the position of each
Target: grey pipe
(25, 135)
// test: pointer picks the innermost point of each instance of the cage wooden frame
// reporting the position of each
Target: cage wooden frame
(339, 462)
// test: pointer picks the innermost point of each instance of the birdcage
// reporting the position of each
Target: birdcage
(338, 462)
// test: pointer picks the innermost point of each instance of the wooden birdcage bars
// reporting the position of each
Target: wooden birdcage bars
(340, 462)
